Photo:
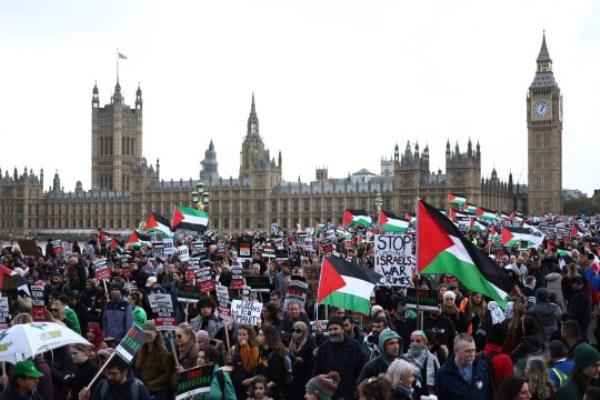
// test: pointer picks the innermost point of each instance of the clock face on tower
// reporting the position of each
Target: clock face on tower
(541, 109)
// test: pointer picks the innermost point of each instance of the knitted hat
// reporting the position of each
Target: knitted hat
(541, 295)
(323, 386)
(387, 334)
(585, 355)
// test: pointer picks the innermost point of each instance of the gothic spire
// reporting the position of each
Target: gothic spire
(544, 54)
(253, 119)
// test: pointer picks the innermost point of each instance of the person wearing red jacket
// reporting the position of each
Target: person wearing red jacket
(501, 363)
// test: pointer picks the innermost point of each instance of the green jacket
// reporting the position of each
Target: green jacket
(570, 391)
(71, 316)
(215, 388)
(139, 316)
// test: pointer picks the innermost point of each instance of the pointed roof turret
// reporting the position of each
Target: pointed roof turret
(95, 89)
(211, 145)
(253, 119)
(544, 54)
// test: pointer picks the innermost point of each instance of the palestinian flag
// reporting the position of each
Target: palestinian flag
(346, 285)
(158, 223)
(356, 217)
(470, 208)
(8, 278)
(442, 249)
(514, 216)
(486, 214)
(456, 200)
(477, 226)
(389, 222)
(564, 258)
(137, 240)
(493, 235)
(512, 236)
(114, 244)
(189, 219)
(410, 218)
(455, 215)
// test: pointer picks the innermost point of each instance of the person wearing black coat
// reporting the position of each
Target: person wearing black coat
(85, 370)
(532, 343)
(580, 306)
(61, 368)
(302, 346)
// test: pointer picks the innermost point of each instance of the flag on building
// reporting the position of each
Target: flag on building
(456, 200)
(158, 223)
(442, 249)
(487, 214)
(356, 217)
(524, 237)
(189, 219)
(346, 285)
(389, 222)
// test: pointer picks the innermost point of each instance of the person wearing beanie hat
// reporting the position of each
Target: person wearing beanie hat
(322, 387)
(118, 314)
(587, 367)
(548, 313)
(500, 362)
(24, 382)
(342, 354)
(424, 363)
(390, 344)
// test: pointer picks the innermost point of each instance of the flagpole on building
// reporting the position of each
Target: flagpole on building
(117, 65)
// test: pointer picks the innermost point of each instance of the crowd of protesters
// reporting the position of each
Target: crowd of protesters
(542, 346)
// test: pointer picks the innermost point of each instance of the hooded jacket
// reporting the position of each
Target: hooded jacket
(381, 363)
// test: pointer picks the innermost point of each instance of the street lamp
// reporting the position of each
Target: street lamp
(200, 197)
(378, 202)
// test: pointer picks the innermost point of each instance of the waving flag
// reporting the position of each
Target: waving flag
(158, 223)
(456, 200)
(442, 249)
(346, 285)
(189, 219)
(356, 217)
(487, 214)
(389, 222)
(523, 237)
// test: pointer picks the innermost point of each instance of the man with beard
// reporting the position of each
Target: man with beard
(464, 376)
(371, 342)
(424, 363)
(340, 354)
(390, 344)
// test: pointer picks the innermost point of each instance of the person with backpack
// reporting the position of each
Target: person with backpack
(500, 363)
(119, 384)
(221, 387)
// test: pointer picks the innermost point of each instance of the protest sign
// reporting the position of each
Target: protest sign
(67, 249)
(281, 254)
(90, 251)
(207, 284)
(158, 249)
(224, 303)
(130, 286)
(246, 312)
(268, 252)
(297, 290)
(37, 302)
(191, 273)
(237, 277)
(57, 247)
(193, 381)
(244, 249)
(169, 249)
(101, 270)
(131, 343)
(162, 307)
(4, 313)
(394, 259)
(188, 294)
(198, 248)
(427, 300)
(183, 253)
(29, 247)
(259, 283)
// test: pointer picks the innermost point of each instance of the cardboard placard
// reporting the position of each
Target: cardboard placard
(224, 303)
(193, 381)
(37, 302)
(198, 248)
(183, 253)
(297, 290)
(4, 313)
(394, 259)
(237, 277)
(246, 312)
(258, 283)
(131, 343)
(158, 249)
(189, 294)
(57, 247)
(101, 270)
(162, 307)
(207, 284)
(281, 254)
(169, 249)
(244, 249)
(427, 300)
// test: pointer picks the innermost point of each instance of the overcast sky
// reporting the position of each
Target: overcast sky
(337, 83)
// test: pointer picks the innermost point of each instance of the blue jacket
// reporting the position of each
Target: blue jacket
(450, 385)
(117, 319)
(593, 278)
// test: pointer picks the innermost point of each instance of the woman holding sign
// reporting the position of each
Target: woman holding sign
(272, 362)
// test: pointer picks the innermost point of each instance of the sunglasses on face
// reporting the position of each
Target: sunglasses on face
(297, 330)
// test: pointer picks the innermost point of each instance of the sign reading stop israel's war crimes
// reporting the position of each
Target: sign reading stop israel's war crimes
(394, 259)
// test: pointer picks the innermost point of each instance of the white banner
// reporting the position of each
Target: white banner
(394, 259)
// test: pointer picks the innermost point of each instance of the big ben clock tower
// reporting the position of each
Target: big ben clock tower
(544, 126)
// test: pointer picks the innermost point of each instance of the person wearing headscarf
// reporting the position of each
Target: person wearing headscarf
(301, 354)
(94, 335)
(424, 363)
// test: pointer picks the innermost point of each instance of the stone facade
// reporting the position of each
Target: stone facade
(544, 126)
(125, 188)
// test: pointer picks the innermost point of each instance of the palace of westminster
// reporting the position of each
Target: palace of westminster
(125, 188)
